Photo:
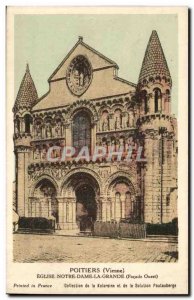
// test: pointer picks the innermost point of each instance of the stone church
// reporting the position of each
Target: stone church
(88, 104)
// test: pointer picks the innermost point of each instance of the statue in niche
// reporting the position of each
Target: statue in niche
(118, 122)
(125, 120)
(58, 128)
(131, 119)
(117, 144)
(38, 131)
(37, 154)
(44, 153)
(104, 144)
(113, 145)
(118, 119)
(121, 142)
(128, 143)
(105, 124)
(111, 122)
(48, 130)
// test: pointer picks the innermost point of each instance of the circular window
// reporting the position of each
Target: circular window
(79, 75)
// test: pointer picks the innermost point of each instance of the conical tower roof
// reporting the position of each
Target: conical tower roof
(154, 63)
(27, 95)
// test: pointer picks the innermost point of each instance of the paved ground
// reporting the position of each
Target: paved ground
(53, 248)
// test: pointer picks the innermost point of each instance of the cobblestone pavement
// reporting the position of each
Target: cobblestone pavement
(52, 248)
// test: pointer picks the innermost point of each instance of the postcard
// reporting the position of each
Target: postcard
(97, 150)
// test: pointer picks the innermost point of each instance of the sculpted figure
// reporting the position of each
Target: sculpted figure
(118, 122)
(48, 130)
(36, 154)
(105, 125)
(44, 153)
(131, 119)
(58, 129)
(125, 120)
(38, 130)
(111, 122)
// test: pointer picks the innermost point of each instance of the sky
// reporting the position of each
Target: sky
(44, 40)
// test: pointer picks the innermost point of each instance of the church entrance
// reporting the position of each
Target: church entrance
(86, 208)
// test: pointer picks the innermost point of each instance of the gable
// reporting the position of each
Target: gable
(97, 60)
(101, 82)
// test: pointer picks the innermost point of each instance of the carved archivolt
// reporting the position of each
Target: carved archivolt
(86, 171)
(42, 177)
(120, 176)
(83, 105)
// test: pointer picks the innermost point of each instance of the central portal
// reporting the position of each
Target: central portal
(86, 208)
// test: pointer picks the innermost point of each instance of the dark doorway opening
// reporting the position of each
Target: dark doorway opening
(86, 208)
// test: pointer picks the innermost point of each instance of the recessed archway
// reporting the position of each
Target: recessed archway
(83, 189)
(86, 207)
(43, 202)
(123, 200)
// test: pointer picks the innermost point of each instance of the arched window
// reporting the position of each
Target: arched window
(157, 97)
(105, 121)
(81, 131)
(17, 125)
(28, 123)
(128, 205)
(145, 101)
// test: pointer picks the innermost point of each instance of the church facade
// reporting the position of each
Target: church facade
(89, 105)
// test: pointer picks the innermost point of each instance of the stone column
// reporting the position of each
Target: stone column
(160, 100)
(152, 104)
(70, 212)
(118, 210)
(22, 125)
(98, 211)
(65, 212)
(33, 207)
(22, 154)
(108, 211)
(74, 211)
(49, 207)
(61, 210)
(93, 138)
(104, 211)
(68, 130)
(122, 207)
(26, 160)
(40, 208)
(113, 209)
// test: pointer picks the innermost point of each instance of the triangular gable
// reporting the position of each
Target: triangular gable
(96, 59)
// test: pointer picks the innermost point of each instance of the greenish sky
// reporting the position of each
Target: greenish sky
(44, 40)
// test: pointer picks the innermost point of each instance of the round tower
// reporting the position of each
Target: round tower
(154, 85)
(26, 98)
(158, 128)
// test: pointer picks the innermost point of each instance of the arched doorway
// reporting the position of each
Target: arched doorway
(44, 202)
(86, 208)
(123, 200)
(81, 193)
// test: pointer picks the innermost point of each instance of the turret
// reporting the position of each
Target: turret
(154, 84)
(158, 129)
(27, 96)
